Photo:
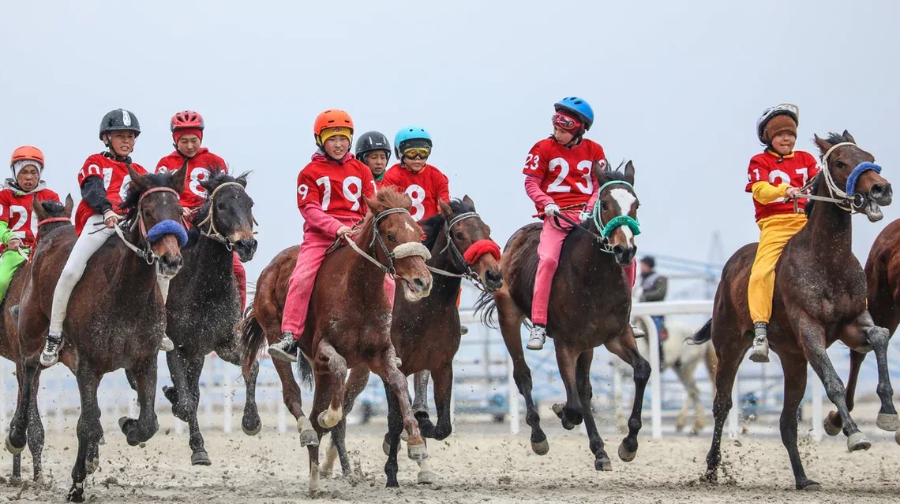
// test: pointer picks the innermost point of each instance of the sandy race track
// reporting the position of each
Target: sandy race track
(479, 464)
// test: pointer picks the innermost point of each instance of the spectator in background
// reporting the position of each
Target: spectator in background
(653, 289)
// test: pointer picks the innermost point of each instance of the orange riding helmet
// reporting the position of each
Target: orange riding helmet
(332, 118)
(27, 153)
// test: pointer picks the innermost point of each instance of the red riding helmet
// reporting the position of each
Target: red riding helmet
(186, 119)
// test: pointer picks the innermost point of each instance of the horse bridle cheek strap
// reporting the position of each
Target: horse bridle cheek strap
(159, 230)
(214, 233)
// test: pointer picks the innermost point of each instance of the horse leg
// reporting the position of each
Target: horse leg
(392, 439)
(193, 369)
(386, 368)
(290, 393)
(420, 402)
(794, 388)
(887, 416)
(833, 423)
(336, 366)
(145, 426)
(626, 349)
(35, 434)
(89, 429)
(726, 370)
(18, 427)
(356, 383)
(177, 394)
(583, 382)
(322, 397)
(443, 390)
(812, 342)
(251, 424)
(570, 412)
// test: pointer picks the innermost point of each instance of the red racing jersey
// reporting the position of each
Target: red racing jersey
(566, 175)
(794, 170)
(115, 179)
(200, 168)
(424, 189)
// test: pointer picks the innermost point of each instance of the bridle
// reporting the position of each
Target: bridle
(146, 252)
(400, 251)
(213, 233)
(456, 257)
(848, 200)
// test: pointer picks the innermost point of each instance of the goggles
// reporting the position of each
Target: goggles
(565, 122)
(417, 152)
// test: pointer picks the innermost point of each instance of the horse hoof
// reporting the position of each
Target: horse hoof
(810, 486)
(12, 449)
(328, 418)
(426, 478)
(897, 437)
(888, 422)
(404, 436)
(603, 464)
(200, 458)
(122, 421)
(540, 448)
(386, 447)
(857, 441)
(417, 451)
(76, 493)
(252, 432)
(830, 428)
(626, 455)
(308, 435)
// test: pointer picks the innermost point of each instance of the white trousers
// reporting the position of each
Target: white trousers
(92, 238)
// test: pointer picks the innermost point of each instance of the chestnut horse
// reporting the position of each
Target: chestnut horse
(883, 282)
(590, 306)
(426, 334)
(204, 304)
(349, 320)
(51, 215)
(820, 298)
(116, 317)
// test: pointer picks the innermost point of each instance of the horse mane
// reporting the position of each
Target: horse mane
(433, 225)
(386, 198)
(54, 208)
(130, 203)
(833, 139)
(211, 184)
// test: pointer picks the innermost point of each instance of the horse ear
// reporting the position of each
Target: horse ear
(138, 182)
(821, 144)
(38, 208)
(848, 136)
(70, 205)
(466, 199)
(446, 210)
(600, 172)
(176, 181)
(373, 205)
(242, 179)
(629, 173)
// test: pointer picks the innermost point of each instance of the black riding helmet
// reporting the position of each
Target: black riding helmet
(119, 120)
(372, 141)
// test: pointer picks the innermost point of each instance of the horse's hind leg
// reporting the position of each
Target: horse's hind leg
(794, 388)
(511, 318)
(570, 412)
(36, 436)
(321, 399)
(146, 425)
(583, 381)
(833, 423)
(335, 364)
(625, 347)
(89, 429)
(193, 369)
(386, 368)
(18, 427)
(251, 424)
(177, 394)
(730, 358)
(356, 383)
(395, 427)
(420, 402)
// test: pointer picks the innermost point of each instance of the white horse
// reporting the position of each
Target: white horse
(683, 359)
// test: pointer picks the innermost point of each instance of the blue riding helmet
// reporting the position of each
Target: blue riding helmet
(407, 134)
(579, 107)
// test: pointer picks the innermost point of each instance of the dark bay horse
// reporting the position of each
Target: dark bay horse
(883, 282)
(204, 304)
(116, 317)
(51, 215)
(426, 333)
(820, 298)
(590, 306)
(350, 318)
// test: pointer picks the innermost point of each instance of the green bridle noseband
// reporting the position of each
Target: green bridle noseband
(622, 220)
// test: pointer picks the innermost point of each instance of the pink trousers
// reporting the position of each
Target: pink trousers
(303, 279)
(548, 250)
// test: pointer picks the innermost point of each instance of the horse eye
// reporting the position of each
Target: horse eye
(459, 236)
(391, 238)
(603, 205)
(147, 214)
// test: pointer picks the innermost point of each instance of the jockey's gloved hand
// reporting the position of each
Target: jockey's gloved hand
(111, 218)
(552, 209)
(584, 215)
(14, 244)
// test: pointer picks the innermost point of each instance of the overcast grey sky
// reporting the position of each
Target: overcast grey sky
(676, 86)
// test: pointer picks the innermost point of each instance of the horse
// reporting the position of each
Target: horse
(122, 274)
(51, 215)
(426, 334)
(590, 306)
(820, 298)
(883, 282)
(683, 360)
(204, 304)
(349, 320)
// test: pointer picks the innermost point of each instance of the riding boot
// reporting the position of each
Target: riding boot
(463, 330)
(538, 337)
(637, 331)
(50, 355)
(165, 344)
(286, 349)
(760, 352)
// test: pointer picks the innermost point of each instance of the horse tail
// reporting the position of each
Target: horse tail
(252, 337)
(488, 308)
(703, 335)
(306, 371)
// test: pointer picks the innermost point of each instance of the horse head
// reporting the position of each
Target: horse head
(50, 209)
(851, 172)
(615, 214)
(227, 215)
(399, 238)
(155, 217)
(472, 249)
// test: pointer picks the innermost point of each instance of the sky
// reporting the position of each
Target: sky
(676, 86)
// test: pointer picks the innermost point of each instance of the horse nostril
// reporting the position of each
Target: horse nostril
(494, 276)
(419, 283)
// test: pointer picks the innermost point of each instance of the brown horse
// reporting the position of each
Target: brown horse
(820, 298)
(883, 282)
(590, 306)
(116, 317)
(51, 215)
(350, 317)
(426, 334)
(204, 304)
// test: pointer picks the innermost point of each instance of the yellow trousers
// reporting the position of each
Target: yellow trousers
(774, 233)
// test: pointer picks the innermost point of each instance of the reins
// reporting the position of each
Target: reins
(145, 253)
(400, 251)
(213, 233)
(849, 200)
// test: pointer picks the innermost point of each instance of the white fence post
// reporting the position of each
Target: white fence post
(655, 382)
